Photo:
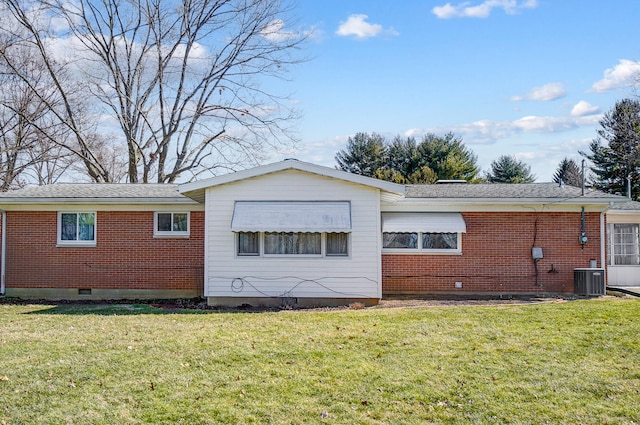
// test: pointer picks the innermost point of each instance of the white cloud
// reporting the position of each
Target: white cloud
(548, 92)
(624, 74)
(486, 132)
(357, 26)
(274, 32)
(583, 108)
(482, 10)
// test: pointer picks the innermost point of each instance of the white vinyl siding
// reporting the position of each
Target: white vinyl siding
(356, 273)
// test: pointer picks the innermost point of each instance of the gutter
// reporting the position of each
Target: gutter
(3, 253)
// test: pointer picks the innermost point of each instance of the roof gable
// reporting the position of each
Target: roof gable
(196, 190)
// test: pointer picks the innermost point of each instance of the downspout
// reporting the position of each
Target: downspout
(603, 249)
(3, 254)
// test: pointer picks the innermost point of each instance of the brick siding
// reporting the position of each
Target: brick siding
(126, 255)
(496, 256)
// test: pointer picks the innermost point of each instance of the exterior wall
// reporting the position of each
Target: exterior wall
(127, 261)
(356, 276)
(496, 256)
(621, 275)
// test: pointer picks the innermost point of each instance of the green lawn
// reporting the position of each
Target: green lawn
(574, 362)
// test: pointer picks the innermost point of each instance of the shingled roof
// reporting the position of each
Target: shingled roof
(630, 206)
(98, 193)
(504, 191)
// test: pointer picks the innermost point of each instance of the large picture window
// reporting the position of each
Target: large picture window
(289, 243)
(77, 228)
(332, 244)
(625, 244)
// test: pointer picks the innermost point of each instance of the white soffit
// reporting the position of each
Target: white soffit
(423, 222)
(291, 216)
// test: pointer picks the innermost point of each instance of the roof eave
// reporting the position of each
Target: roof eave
(512, 201)
(75, 201)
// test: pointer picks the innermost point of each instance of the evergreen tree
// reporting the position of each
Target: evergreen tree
(569, 173)
(406, 161)
(364, 154)
(507, 169)
(615, 152)
(448, 157)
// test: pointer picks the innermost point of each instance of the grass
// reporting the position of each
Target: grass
(575, 362)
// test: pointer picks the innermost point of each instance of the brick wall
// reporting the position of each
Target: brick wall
(496, 256)
(126, 255)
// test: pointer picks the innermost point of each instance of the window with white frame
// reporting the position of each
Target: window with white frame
(317, 244)
(171, 224)
(421, 241)
(77, 228)
(429, 233)
(625, 244)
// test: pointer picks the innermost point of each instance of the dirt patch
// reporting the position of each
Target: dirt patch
(392, 301)
(413, 301)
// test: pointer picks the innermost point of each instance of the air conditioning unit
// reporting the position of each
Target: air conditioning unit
(588, 281)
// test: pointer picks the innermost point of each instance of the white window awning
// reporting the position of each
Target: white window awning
(291, 216)
(423, 222)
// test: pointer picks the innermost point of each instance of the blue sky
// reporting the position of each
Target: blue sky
(528, 78)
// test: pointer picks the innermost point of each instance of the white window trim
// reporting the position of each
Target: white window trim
(612, 246)
(425, 251)
(76, 243)
(171, 233)
(261, 253)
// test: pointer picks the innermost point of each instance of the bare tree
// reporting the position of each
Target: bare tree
(181, 80)
(27, 127)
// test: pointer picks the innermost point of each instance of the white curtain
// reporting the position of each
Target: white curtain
(439, 240)
(337, 243)
(292, 243)
(399, 240)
